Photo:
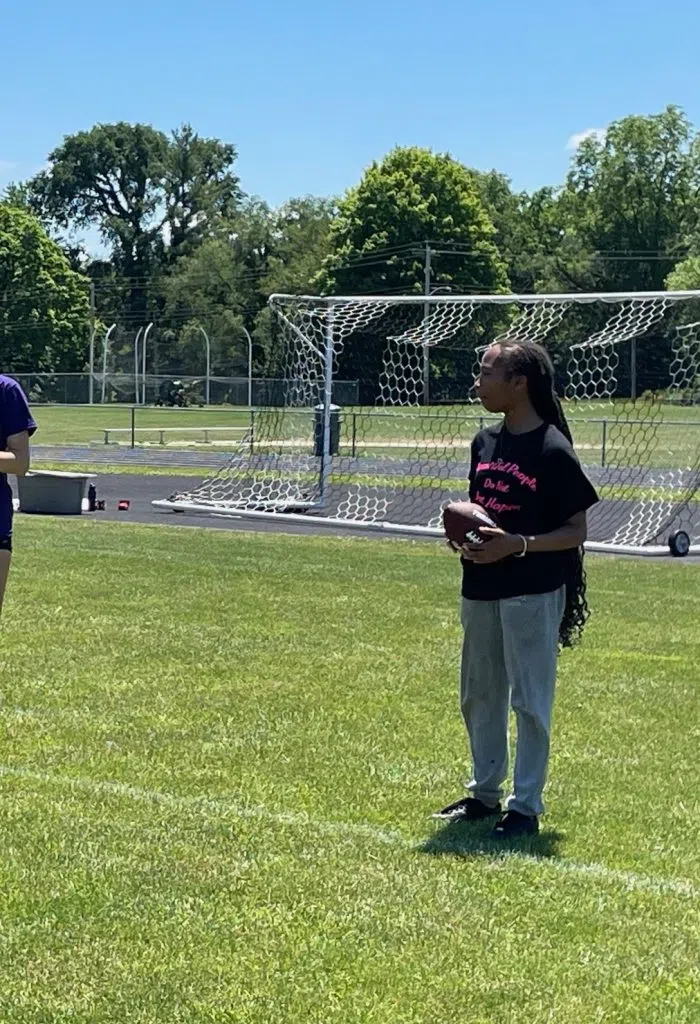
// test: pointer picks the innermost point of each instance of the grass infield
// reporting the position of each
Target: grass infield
(220, 753)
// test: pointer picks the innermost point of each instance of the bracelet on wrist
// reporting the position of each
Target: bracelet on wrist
(521, 554)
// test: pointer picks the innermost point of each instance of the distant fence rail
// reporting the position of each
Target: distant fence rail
(365, 432)
(120, 388)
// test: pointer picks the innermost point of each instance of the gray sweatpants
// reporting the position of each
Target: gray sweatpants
(510, 656)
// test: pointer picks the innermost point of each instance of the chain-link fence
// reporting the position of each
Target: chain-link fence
(166, 390)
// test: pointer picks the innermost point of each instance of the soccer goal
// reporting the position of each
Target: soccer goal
(628, 368)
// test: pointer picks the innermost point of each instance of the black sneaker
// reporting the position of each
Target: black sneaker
(513, 824)
(467, 809)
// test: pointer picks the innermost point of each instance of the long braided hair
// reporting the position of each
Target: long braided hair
(529, 360)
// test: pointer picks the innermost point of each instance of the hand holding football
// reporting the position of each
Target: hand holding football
(461, 521)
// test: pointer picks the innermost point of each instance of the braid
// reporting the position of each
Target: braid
(531, 361)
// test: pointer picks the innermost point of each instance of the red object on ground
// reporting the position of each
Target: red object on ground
(123, 506)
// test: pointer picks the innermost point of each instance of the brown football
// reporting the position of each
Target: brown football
(461, 521)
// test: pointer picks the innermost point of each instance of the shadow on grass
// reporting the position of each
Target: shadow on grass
(471, 839)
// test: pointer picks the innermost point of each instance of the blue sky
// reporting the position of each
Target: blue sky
(311, 92)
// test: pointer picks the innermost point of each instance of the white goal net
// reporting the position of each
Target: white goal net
(628, 370)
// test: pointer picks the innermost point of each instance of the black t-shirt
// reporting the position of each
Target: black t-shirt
(528, 483)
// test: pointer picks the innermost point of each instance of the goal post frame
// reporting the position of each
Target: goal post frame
(327, 403)
(317, 328)
(394, 529)
(531, 298)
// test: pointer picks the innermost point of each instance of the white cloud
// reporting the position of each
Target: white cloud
(590, 133)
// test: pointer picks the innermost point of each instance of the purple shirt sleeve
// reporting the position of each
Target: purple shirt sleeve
(15, 416)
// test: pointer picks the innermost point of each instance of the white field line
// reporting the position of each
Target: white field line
(215, 807)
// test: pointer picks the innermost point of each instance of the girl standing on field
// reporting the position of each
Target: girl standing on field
(16, 427)
(524, 588)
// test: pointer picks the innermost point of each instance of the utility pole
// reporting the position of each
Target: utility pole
(427, 269)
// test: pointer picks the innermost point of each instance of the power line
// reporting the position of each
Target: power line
(250, 277)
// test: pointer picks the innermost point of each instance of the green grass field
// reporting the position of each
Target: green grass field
(220, 755)
(71, 424)
(381, 432)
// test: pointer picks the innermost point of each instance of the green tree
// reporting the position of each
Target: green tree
(22, 196)
(208, 289)
(685, 276)
(629, 203)
(412, 204)
(44, 304)
(377, 241)
(151, 197)
(624, 215)
(299, 244)
(219, 287)
(223, 285)
(527, 232)
(17, 194)
(199, 188)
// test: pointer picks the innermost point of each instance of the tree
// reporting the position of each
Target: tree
(219, 287)
(527, 233)
(685, 276)
(299, 244)
(208, 290)
(377, 241)
(17, 194)
(44, 304)
(223, 285)
(199, 188)
(629, 203)
(624, 215)
(151, 197)
(412, 205)
(21, 196)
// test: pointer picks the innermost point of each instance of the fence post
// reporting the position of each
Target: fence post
(354, 433)
(133, 426)
(602, 449)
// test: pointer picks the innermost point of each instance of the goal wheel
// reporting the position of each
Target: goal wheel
(679, 544)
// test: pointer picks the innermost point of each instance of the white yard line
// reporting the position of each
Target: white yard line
(214, 806)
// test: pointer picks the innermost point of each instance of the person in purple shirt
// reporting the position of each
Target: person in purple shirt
(16, 427)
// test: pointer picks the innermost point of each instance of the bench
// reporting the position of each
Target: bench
(162, 431)
(52, 493)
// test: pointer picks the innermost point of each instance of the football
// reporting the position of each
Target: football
(461, 521)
